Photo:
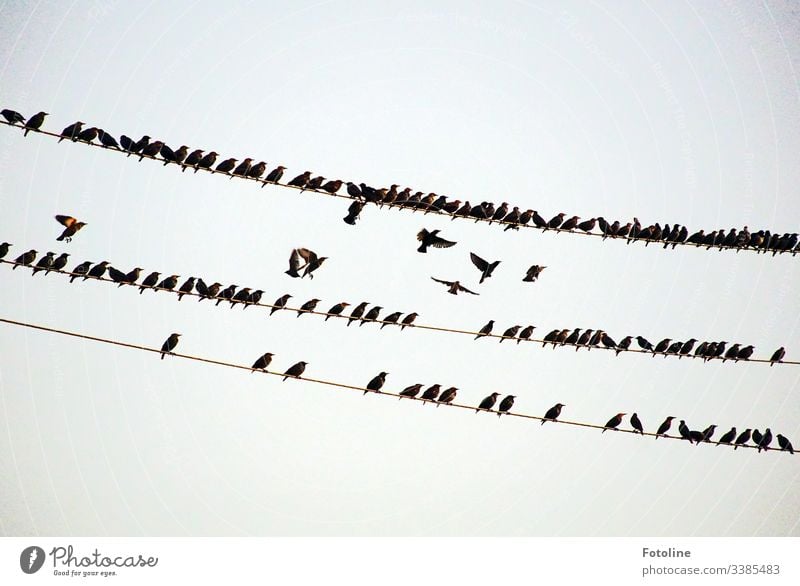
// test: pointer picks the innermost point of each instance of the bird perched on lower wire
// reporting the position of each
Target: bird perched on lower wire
(553, 413)
(785, 444)
(71, 227)
(169, 345)
(391, 319)
(533, 273)
(432, 238)
(454, 287)
(4, 249)
(35, 122)
(614, 422)
(408, 320)
(59, 263)
(295, 370)
(80, 270)
(376, 383)
(169, 283)
(485, 267)
(98, 270)
(357, 312)
(72, 131)
(309, 305)
(263, 362)
(186, 288)
(486, 330)
(337, 309)
(371, 315)
(488, 402)
(664, 427)
(411, 391)
(12, 117)
(44, 263)
(447, 396)
(149, 281)
(280, 303)
(636, 424)
(505, 405)
(777, 356)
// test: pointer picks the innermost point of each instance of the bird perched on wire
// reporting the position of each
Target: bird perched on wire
(169, 345)
(169, 283)
(357, 312)
(44, 263)
(777, 356)
(454, 287)
(431, 393)
(614, 422)
(486, 268)
(80, 270)
(152, 149)
(35, 122)
(432, 238)
(300, 180)
(636, 424)
(525, 334)
(89, 134)
(510, 333)
(408, 320)
(337, 309)
(486, 330)
(71, 227)
(192, 159)
(107, 140)
(411, 391)
(785, 444)
(59, 263)
(263, 362)
(743, 438)
(149, 281)
(4, 249)
(98, 270)
(728, 436)
(131, 277)
(72, 131)
(371, 315)
(376, 383)
(447, 396)
(664, 427)
(12, 117)
(488, 402)
(533, 273)
(186, 288)
(309, 305)
(280, 303)
(505, 405)
(553, 413)
(207, 161)
(295, 370)
(275, 175)
(391, 319)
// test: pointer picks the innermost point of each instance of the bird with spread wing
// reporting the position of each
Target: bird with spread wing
(485, 267)
(432, 238)
(304, 258)
(453, 287)
(71, 226)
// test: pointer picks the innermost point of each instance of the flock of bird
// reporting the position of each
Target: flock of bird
(512, 217)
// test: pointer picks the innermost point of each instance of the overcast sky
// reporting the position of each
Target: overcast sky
(669, 111)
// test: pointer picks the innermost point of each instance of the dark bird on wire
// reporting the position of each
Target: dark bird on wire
(448, 395)
(687, 347)
(171, 156)
(332, 186)
(337, 309)
(226, 294)
(201, 288)
(98, 270)
(785, 444)
(662, 346)
(485, 330)
(80, 270)
(505, 405)
(44, 263)
(71, 227)
(488, 402)
(624, 344)
(169, 283)
(211, 292)
(72, 131)
(636, 424)
(510, 333)
(257, 170)
(765, 440)
(254, 299)
(745, 353)
(107, 140)
(643, 343)
(275, 175)
(207, 161)
(408, 320)
(131, 277)
(314, 183)
(309, 305)
(4, 249)
(149, 281)
(743, 438)
(88, 135)
(152, 149)
(613, 422)
(526, 333)
(777, 356)
(295, 370)
(241, 296)
(280, 303)
(12, 117)
(186, 288)
(432, 238)
(127, 144)
(728, 436)
(454, 287)
(685, 432)
(60, 262)
(757, 436)
(664, 427)
(357, 312)
(431, 393)
(300, 180)
(243, 167)
(116, 275)
(192, 160)
(708, 433)
(553, 413)
(411, 391)
(372, 315)
(486, 268)
(556, 221)
(391, 319)
(533, 273)
(263, 362)
(376, 383)
(226, 166)
(169, 345)
(34, 122)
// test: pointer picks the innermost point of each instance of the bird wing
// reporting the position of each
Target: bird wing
(294, 260)
(448, 283)
(465, 290)
(66, 220)
(478, 262)
(438, 242)
(308, 255)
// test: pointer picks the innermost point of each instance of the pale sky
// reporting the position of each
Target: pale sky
(669, 111)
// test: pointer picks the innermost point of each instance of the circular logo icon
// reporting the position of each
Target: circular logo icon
(31, 559)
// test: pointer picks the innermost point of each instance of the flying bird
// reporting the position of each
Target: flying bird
(454, 287)
(432, 238)
(71, 227)
(486, 268)
(533, 273)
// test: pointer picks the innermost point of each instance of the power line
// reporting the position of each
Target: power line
(336, 384)
(420, 326)
(429, 209)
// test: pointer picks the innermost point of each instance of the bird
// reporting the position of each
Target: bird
(624, 344)
(728, 436)
(337, 309)
(664, 427)
(309, 305)
(777, 356)
(131, 277)
(35, 122)
(525, 334)
(686, 434)
(743, 438)
(12, 117)
(303, 258)
(44, 263)
(570, 223)
(71, 132)
(280, 303)
(432, 238)
(505, 405)
(295, 370)
(207, 161)
(707, 433)
(149, 281)
(661, 346)
(152, 149)
(211, 291)
(59, 263)
(613, 422)
(556, 221)
(71, 227)
(353, 212)
(169, 283)
(226, 294)
(636, 423)
(431, 393)
(391, 319)
(241, 296)
(257, 170)
(275, 175)
(376, 383)
(314, 183)
(106, 139)
(186, 288)
(169, 345)
(533, 273)
(98, 270)
(88, 135)
(116, 275)
(357, 312)
(485, 330)
(80, 270)
(745, 353)
(243, 167)
(226, 166)
(25, 258)
(488, 402)
(510, 333)
(454, 287)
(448, 395)
(263, 362)
(192, 159)
(765, 440)
(408, 320)
(486, 268)
(371, 315)
(332, 186)
(300, 180)
(294, 264)
(313, 262)
(4, 249)
(553, 413)
(177, 156)
(643, 343)
(254, 298)
(411, 391)
(757, 436)
(785, 444)
(687, 347)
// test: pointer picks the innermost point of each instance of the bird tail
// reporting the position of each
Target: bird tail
(60, 238)
(162, 356)
(422, 248)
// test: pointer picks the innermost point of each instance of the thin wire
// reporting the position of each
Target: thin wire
(414, 325)
(339, 385)
(402, 207)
